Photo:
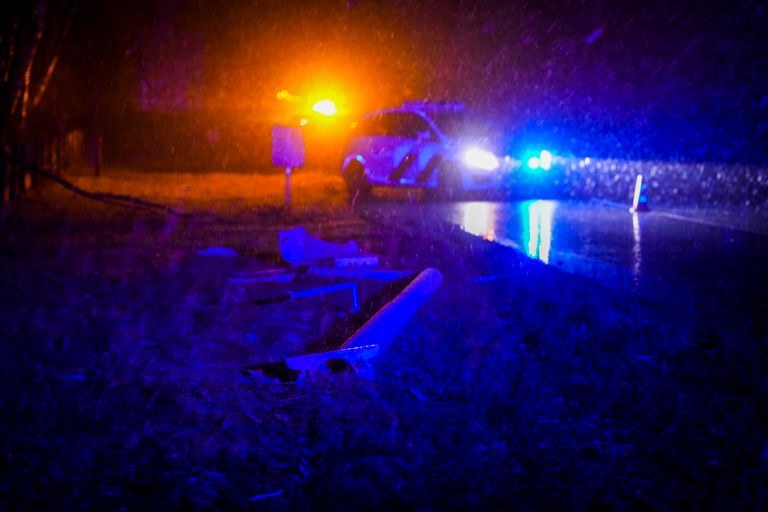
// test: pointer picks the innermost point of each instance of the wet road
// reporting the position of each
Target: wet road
(656, 251)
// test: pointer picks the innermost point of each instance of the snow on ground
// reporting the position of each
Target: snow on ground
(123, 383)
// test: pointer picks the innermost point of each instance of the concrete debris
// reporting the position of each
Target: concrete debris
(224, 252)
(299, 247)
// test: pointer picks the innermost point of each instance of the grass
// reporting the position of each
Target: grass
(202, 191)
(122, 361)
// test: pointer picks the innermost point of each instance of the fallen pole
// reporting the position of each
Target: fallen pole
(313, 292)
(377, 334)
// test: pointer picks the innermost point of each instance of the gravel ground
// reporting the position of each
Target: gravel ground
(124, 382)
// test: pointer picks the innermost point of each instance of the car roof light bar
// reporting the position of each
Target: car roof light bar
(435, 106)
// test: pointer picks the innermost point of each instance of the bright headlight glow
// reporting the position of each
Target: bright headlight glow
(481, 159)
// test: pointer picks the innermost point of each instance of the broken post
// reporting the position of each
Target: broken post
(377, 334)
(298, 246)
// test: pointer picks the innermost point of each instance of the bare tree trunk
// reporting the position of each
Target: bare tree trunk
(93, 150)
(4, 165)
(26, 84)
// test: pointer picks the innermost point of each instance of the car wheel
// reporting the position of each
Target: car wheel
(357, 184)
(449, 186)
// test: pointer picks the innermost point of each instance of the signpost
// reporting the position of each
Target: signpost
(288, 152)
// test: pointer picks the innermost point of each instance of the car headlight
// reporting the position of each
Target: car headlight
(481, 159)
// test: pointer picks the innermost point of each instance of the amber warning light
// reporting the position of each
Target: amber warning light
(325, 107)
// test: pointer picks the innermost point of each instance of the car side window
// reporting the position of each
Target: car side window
(370, 126)
(395, 124)
(404, 125)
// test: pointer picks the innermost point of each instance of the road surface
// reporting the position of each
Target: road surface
(654, 252)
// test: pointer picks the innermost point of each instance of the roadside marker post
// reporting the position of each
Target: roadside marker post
(640, 197)
(288, 152)
(287, 188)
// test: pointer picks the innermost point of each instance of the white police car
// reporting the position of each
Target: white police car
(434, 145)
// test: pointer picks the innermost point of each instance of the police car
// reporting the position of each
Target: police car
(442, 147)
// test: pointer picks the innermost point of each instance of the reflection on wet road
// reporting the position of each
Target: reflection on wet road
(604, 240)
(482, 219)
(479, 219)
(537, 228)
(637, 246)
(564, 234)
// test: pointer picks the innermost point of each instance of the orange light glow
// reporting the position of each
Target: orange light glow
(325, 107)
(284, 95)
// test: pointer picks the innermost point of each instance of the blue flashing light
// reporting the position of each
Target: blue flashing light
(542, 161)
(545, 159)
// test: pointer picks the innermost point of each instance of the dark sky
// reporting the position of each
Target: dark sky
(687, 74)
(685, 77)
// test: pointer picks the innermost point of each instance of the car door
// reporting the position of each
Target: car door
(415, 163)
(395, 147)
(411, 141)
(372, 144)
(383, 148)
